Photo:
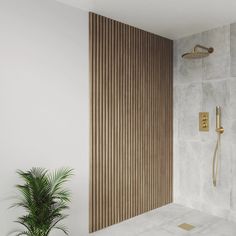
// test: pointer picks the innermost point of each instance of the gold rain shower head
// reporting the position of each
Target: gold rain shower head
(196, 54)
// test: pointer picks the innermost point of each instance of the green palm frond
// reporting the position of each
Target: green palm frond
(24, 233)
(44, 199)
(17, 232)
(62, 228)
(58, 178)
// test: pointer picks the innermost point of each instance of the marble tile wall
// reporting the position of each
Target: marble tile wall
(201, 85)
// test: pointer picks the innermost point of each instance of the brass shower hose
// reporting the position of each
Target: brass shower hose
(215, 167)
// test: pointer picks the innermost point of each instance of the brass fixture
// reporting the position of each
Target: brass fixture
(204, 121)
(197, 54)
(216, 157)
(219, 128)
(186, 227)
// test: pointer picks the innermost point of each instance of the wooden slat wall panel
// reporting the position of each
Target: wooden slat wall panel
(131, 166)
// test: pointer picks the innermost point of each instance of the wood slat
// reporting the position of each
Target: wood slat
(131, 116)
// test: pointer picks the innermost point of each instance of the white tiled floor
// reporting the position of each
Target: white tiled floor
(165, 220)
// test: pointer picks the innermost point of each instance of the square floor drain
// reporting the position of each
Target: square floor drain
(186, 227)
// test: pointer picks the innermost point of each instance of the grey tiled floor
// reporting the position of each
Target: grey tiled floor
(165, 220)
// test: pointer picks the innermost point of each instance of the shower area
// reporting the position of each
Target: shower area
(163, 131)
(206, 85)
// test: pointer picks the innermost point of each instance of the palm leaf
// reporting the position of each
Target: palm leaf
(62, 228)
(58, 178)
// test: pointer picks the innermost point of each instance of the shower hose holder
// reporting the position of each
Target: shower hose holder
(220, 130)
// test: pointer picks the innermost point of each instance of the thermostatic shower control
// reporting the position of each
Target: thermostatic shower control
(204, 121)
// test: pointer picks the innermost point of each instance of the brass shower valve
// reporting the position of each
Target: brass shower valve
(204, 121)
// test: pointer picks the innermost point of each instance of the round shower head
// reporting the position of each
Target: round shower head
(196, 54)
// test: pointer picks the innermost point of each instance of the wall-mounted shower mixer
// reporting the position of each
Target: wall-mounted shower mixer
(217, 153)
(204, 121)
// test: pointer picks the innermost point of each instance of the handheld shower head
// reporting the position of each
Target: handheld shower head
(216, 157)
(219, 129)
(196, 54)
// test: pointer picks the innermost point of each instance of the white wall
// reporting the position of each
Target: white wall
(44, 99)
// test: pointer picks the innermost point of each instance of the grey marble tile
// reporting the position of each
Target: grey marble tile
(233, 48)
(233, 176)
(175, 63)
(189, 105)
(223, 228)
(130, 227)
(216, 93)
(216, 198)
(232, 130)
(217, 65)
(175, 141)
(232, 216)
(155, 218)
(156, 232)
(189, 170)
(232, 108)
(199, 220)
(172, 211)
(176, 172)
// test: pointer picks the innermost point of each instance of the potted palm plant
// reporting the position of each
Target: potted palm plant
(44, 199)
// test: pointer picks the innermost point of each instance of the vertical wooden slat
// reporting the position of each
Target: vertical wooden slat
(119, 68)
(103, 140)
(141, 113)
(109, 124)
(115, 127)
(106, 154)
(131, 98)
(97, 183)
(100, 125)
(91, 138)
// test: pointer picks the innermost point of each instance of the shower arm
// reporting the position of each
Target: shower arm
(210, 50)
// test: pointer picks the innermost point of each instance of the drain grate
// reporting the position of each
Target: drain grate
(186, 226)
